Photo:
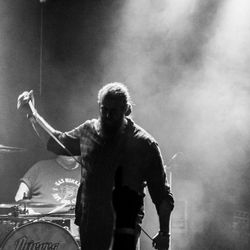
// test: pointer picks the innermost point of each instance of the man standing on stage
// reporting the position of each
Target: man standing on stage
(119, 159)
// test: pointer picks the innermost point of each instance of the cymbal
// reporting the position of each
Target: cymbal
(8, 205)
(34, 204)
(4, 148)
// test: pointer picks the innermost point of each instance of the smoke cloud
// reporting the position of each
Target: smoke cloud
(185, 63)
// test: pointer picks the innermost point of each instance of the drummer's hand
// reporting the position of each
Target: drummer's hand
(23, 101)
(161, 241)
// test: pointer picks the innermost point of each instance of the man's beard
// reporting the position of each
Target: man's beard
(110, 130)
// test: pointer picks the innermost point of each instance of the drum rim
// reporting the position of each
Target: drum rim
(12, 232)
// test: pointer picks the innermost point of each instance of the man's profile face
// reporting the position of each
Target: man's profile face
(112, 113)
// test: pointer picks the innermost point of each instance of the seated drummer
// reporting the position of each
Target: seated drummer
(53, 182)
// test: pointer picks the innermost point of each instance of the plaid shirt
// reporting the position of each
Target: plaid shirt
(141, 158)
(89, 135)
(134, 152)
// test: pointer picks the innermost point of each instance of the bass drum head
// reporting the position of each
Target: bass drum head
(40, 235)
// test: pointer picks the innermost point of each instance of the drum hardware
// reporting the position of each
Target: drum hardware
(12, 209)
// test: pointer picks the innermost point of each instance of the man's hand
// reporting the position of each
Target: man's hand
(23, 101)
(161, 241)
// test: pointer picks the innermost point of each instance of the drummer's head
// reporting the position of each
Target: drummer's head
(114, 105)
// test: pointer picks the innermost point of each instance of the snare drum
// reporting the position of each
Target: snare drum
(39, 235)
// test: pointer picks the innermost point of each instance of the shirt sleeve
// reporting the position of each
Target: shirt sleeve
(30, 176)
(70, 140)
(158, 186)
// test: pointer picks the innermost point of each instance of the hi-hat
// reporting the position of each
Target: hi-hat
(4, 148)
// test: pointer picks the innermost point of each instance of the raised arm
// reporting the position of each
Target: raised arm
(56, 141)
(26, 103)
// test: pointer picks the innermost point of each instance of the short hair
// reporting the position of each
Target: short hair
(116, 89)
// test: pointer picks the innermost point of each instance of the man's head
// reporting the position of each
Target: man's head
(114, 104)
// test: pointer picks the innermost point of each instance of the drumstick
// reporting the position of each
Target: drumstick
(58, 208)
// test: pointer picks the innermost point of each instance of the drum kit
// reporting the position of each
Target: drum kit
(21, 230)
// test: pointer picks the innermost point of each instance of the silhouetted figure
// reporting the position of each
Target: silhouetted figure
(119, 159)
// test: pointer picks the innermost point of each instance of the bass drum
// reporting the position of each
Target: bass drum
(39, 235)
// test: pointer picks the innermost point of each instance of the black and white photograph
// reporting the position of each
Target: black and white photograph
(124, 124)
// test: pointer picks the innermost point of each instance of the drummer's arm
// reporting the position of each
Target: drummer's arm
(22, 192)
